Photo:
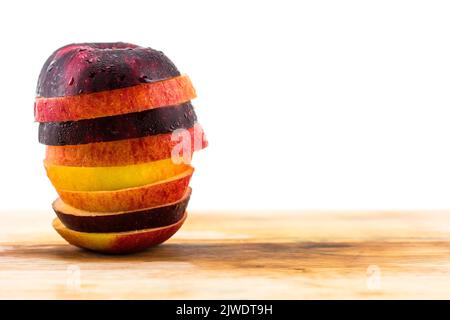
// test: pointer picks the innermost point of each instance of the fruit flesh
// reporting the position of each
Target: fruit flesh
(119, 153)
(92, 67)
(111, 178)
(126, 126)
(86, 221)
(110, 103)
(118, 243)
(156, 194)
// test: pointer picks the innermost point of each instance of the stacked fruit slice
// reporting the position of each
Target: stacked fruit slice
(119, 131)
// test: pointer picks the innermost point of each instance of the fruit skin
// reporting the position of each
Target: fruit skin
(147, 196)
(118, 243)
(112, 178)
(125, 126)
(118, 153)
(93, 67)
(155, 217)
(109, 103)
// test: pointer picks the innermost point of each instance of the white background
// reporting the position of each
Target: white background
(307, 104)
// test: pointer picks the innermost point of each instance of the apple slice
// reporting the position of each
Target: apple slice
(114, 102)
(125, 126)
(111, 178)
(86, 221)
(121, 152)
(150, 195)
(118, 243)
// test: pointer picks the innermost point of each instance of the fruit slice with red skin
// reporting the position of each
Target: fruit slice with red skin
(112, 178)
(155, 217)
(125, 126)
(120, 242)
(121, 152)
(147, 196)
(92, 67)
(120, 101)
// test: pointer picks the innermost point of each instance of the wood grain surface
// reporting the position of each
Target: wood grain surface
(254, 255)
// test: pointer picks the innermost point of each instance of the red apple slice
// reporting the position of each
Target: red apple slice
(114, 102)
(121, 152)
(118, 243)
(151, 195)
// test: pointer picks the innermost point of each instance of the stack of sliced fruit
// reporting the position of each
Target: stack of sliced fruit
(120, 130)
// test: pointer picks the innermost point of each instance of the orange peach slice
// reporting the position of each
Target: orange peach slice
(120, 242)
(114, 102)
(111, 178)
(156, 194)
(119, 153)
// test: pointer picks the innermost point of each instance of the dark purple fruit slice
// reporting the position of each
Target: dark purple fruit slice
(125, 126)
(93, 67)
(85, 221)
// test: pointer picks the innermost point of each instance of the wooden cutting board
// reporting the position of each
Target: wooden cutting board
(274, 255)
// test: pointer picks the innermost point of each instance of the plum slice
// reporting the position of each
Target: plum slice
(93, 67)
(155, 217)
(125, 126)
(119, 242)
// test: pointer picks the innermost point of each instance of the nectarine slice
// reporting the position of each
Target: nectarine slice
(114, 102)
(125, 126)
(111, 178)
(118, 153)
(87, 221)
(118, 243)
(150, 195)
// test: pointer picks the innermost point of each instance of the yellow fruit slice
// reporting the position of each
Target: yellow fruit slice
(111, 178)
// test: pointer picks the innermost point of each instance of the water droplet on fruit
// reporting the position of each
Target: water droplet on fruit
(80, 91)
(71, 81)
(90, 60)
(175, 125)
(50, 66)
(144, 79)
